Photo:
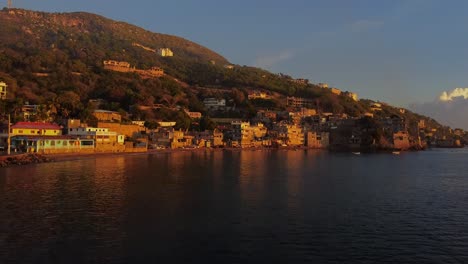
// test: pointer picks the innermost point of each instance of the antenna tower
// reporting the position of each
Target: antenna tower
(9, 4)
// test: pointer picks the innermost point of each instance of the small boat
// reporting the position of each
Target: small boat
(396, 152)
(357, 153)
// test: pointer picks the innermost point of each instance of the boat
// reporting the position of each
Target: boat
(357, 153)
(396, 152)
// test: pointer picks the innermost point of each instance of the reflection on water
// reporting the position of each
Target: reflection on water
(238, 206)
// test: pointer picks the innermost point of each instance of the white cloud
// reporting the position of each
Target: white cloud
(271, 60)
(451, 108)
(455, 93)
(365, 25)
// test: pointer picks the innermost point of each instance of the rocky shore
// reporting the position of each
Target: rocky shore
(23, 159)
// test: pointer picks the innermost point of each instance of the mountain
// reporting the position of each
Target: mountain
(56, 59)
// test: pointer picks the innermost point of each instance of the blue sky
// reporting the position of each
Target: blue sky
(400, 52)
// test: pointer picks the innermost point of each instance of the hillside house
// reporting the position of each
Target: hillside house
(165, 52)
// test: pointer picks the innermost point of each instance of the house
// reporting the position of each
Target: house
(100, 135)
(3, 90)
(165, 52)
(52, 144)
(229, 66)
(35, 129)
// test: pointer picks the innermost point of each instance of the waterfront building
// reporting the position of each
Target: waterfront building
(319, 140)
(52, 145)
(247, 135)
(35, 129)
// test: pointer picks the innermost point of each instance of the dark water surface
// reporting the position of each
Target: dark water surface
(238, 207)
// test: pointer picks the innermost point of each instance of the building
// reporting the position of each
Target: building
(299, 102)
(165, 52)
(258, 95)
(247, 135)
(335, 91)
(3, 90)
(376, 107)
(52, 144)
(119, 66)
(401, 140)
(107, 116)
(229, 66)
(193, 115)
(214, 103)
(100, 135)
(351, 95)
(323, 85)
(128, 130)
(301, 81)
(35, 129)
(318, 140)
(292, 135)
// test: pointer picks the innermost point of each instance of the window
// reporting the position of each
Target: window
(20, 131)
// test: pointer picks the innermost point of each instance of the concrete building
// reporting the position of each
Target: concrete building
(299, 102)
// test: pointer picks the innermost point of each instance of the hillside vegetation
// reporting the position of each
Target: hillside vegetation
(56, 59)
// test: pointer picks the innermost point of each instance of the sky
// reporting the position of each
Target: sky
(404, 52)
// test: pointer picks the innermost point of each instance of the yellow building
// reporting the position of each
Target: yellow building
(165, 52)
(35, 129)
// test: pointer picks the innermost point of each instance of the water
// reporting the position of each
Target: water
(238, 207)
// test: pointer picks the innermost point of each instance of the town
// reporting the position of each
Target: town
(300, 125)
